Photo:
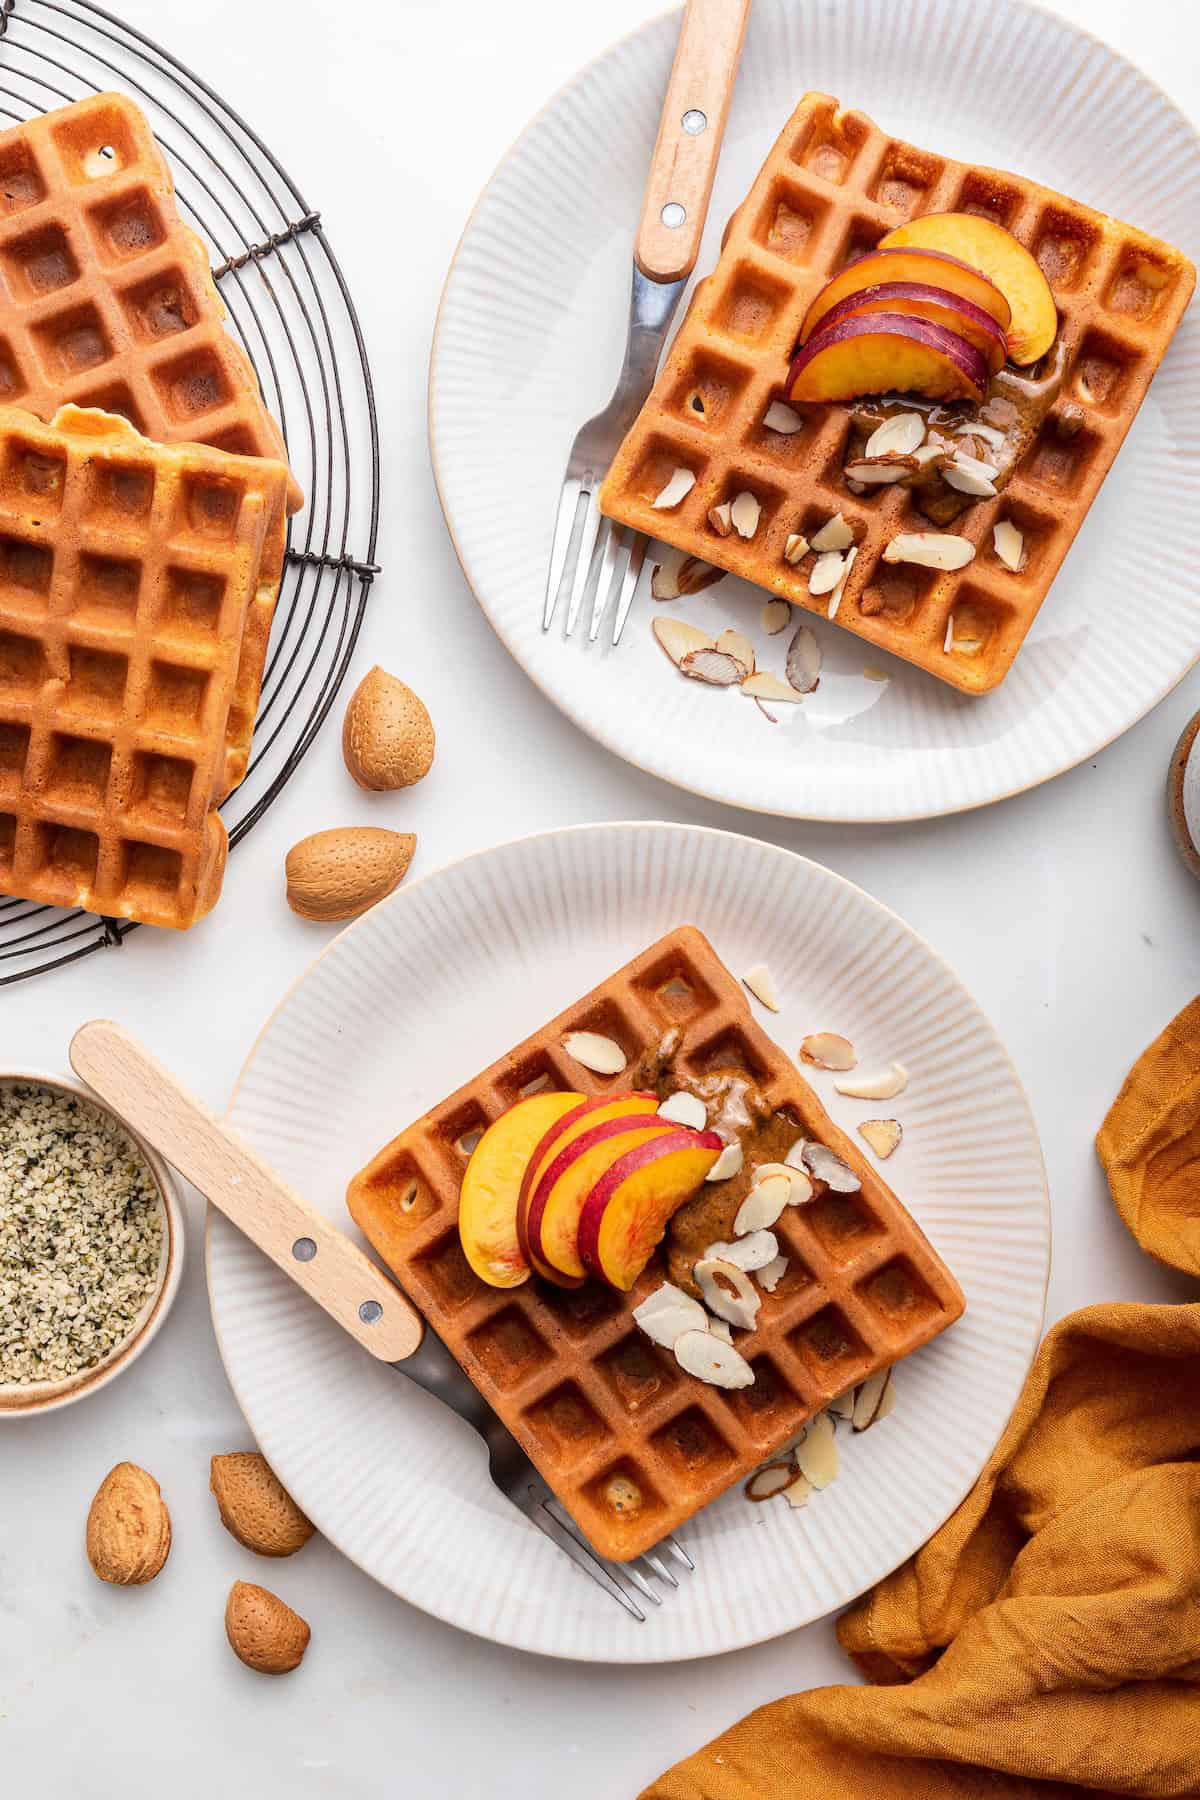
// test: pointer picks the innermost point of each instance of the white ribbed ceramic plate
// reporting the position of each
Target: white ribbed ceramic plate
(432, 986)
(531, 335)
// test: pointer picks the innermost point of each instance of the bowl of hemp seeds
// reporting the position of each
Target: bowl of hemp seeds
(91, 1244)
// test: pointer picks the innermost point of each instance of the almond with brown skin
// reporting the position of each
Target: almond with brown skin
(339, 874)
(387, 735)
(255, 1506)
(263, 1631)
(128, 1527)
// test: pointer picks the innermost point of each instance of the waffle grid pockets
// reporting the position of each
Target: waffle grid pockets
(106, 297)
(128, 678)
(632, 1445)
(831, 187)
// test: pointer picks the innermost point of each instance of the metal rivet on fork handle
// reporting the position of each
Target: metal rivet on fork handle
(370, 1312)
(673, 215)
(304, 1249)
(694, 121)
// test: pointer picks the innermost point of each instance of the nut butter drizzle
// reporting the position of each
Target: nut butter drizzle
(1017, 403)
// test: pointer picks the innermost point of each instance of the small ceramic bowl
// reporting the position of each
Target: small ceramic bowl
(23, 1399)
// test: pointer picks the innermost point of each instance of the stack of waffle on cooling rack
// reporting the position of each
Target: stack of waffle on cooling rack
(144, 493)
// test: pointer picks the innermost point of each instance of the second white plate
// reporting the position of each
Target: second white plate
(530, 338)
(433, 985)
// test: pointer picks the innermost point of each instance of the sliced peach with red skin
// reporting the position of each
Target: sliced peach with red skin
(558, 1197)
(879, 353)
(491, 1187)
(580, 1118)
(918, 300)
(893, 262)
(1006, 263)
(630, 1207)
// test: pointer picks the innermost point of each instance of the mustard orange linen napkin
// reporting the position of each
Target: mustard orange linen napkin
(1046, 1642)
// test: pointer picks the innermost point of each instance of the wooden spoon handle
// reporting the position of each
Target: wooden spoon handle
(689, 138)
(330, 1268)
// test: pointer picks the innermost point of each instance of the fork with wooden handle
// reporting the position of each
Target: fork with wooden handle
(335, 1273)
(674, 208)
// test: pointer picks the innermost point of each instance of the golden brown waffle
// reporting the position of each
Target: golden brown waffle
(106, 298)
(128, 571)
(632, 1445)
(831, 187)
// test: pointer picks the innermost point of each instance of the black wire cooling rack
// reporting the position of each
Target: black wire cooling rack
(289, 305)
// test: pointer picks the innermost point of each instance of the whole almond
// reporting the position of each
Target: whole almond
(255, 1506)
(387, 734)
(263, 1631)
(339, 874)
(128, 1527)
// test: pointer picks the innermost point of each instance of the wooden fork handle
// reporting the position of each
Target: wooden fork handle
(330, 1268)
(689, 138)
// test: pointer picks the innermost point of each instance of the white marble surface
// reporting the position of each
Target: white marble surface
(1066, 910)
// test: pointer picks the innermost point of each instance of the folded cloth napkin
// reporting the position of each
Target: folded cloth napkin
(1046, 1641)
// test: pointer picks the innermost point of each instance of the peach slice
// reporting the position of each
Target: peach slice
(491, 1187)
(557, 1200)
(879, 353)
(933, 267)
(918, 299)
(1006, 263)
(586, 1113)
(629, 1208)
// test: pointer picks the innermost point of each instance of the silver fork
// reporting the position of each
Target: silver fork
(334, 1272)
(433, 1368)
(674, 208)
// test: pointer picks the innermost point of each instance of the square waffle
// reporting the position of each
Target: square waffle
(128, 571)
(106, 298)
(831, 187)
(631, 1444)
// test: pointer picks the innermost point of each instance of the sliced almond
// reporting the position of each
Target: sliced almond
(825, 1166)
(929, 453)
(888, 1399)
(720, 1328)
(842, 1405)
(801, 1186)
(728, 1164)
(835, 534)
(714, 667)
(681, 576)
(602, 1055)
(745, 512)
(797, 546)
(971, 476)
(988, 433)
(883, 1135)
(826, 1050)
(868, 1399)
(678, 488)
(800, 1491)
(728, 1292)
(679, 639)
(763, 1204)
(662, 1299)
(667, 1324)
(948, 639)
(885, 1086)
(1009, 544)
(718, 518)
(804, 660)
(772, 1273)
(776, 615)
(817, 1452)
(826, 572)
(781, 418)
(685, 1109)
(930, 549)
(761, 983)
(835, 599)
(738, 645)
(902, 433)
(766, 1483)
(701, 1354)
(882, 471)
(751, 1253)
(765, 686)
